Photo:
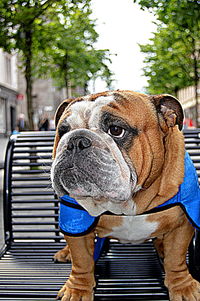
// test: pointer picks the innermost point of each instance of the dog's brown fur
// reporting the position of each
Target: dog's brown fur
(159, 163)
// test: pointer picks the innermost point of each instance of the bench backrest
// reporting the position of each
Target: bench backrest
(30, 208)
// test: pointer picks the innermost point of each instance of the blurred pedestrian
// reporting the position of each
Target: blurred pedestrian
(43, 124)
(21, 122)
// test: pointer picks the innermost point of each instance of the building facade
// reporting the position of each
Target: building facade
(46, 99)
(188, 101)
(8, 93)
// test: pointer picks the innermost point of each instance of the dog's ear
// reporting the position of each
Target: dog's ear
(57, 117)
(170, 109)
(61, 109)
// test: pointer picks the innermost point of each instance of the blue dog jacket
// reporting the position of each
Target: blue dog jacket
(74, 220)
(188, 196)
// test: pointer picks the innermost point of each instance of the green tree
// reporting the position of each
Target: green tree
(168, 63)
(49, 30)
(173, 55)
(18, 23)
(70, 57)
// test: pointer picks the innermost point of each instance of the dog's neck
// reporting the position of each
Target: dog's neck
(98, 207)
(167, 184)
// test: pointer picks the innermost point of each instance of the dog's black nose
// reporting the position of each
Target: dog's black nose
(77, 144)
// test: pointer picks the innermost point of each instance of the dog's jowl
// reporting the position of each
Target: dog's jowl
(123, 152)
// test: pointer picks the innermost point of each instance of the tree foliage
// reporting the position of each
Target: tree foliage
(172, 56)
(52, 37)
(70, 57)
(168, 65)
(18, 24)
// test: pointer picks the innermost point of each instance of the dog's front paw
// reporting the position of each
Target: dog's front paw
(71, 294)
(63, 255)
(188, 291)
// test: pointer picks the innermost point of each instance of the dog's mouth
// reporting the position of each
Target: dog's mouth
(91, 173)
(93, 170)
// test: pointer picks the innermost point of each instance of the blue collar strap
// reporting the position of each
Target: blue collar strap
(188, 196)
(74, 220)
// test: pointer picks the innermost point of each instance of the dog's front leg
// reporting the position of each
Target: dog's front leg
(81, 282)
(181, 285)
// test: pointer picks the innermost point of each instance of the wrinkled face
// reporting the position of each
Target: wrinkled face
(89, 159)
(110, 145)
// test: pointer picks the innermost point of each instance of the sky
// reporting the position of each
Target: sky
(121, 26)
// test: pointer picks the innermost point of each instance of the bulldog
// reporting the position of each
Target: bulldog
(123, 152)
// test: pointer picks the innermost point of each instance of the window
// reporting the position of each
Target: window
(8, 69)
(2, 116)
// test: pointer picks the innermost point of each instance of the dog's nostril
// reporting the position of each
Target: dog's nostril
(70, 146)
(84, 143)
(78, 143)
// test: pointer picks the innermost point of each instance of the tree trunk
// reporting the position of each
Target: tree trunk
(28, 77)
(86, 88)
(66, 76)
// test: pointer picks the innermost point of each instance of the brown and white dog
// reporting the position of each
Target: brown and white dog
(123, 152)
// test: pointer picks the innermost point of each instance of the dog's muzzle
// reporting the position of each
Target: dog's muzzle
(90, 164)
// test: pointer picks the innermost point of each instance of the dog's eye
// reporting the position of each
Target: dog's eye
(116, 131)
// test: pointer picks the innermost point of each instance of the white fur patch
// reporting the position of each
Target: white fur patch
(87, 110)
(96, 208)
(134, 229)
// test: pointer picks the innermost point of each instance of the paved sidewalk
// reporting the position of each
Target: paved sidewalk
(3, 144)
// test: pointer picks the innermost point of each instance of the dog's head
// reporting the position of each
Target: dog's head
(110, 145)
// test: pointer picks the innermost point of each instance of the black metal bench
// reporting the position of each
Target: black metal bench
(27, 272)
